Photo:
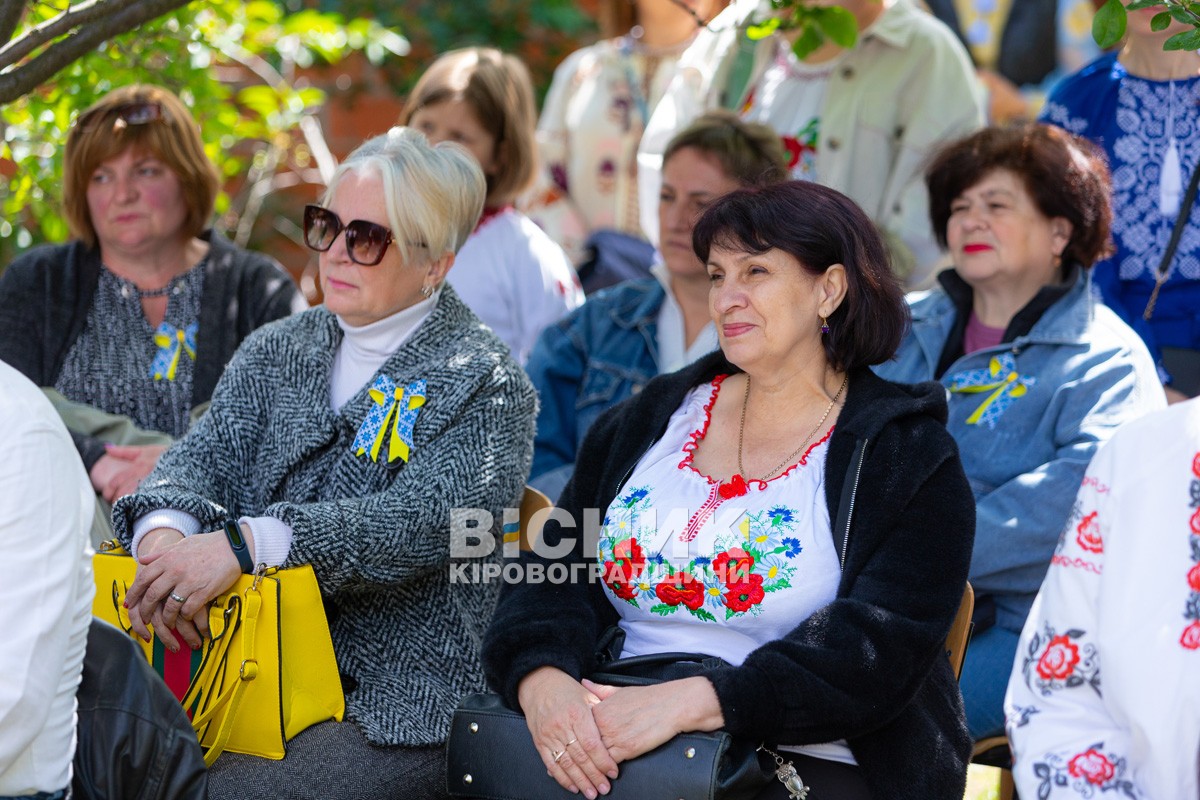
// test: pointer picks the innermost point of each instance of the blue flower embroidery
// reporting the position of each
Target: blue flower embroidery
(792, 545)
(1001, 379)
(396, 405)
(780, 514)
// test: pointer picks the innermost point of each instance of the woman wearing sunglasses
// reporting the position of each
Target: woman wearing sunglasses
(345, 437)
(138, 315)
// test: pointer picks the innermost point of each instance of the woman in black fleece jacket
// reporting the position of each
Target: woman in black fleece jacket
(866, 669)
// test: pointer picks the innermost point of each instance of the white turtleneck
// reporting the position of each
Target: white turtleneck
(359, 356)
(364, 349)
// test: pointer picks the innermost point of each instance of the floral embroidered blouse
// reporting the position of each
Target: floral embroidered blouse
(1104, 696)
(693, 564)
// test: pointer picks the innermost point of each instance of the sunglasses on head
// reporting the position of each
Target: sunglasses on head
(139, 113)
(366, 242)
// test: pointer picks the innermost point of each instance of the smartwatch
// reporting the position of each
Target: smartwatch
(237, 542)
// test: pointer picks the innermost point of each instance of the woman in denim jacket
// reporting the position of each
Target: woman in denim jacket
(608, 349)
(1038, 373)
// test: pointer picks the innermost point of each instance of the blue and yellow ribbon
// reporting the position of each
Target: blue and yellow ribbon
(171, 342)
(1002, 379)
(392, 418)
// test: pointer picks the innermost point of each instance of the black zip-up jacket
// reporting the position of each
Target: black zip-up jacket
(869, 667)
(46, 294)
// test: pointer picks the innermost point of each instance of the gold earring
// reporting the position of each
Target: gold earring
(427, 290)
(824, 323)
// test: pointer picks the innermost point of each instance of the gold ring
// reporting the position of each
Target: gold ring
(568, 744)
(557, 754)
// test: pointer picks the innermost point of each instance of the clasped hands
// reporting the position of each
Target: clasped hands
(583, 730)
(177, 578)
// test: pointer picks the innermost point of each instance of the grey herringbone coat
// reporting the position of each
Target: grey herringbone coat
(377, 536)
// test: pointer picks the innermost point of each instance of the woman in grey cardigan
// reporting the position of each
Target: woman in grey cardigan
(345, 437)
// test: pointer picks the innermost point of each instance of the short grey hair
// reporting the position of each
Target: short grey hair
(433, 193)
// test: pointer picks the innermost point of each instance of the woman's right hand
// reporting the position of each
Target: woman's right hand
(558, 710)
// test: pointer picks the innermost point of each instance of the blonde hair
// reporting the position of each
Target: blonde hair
(497, 88)
(433, 193)
(99, 134)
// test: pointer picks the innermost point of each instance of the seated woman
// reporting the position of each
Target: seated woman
(1103, 695)
(1038, 372)
(510, 273)
(140, 313)
(609, 348)
(294, 448)
(824, 548)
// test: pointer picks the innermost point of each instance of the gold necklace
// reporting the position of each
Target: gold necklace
(807, 439)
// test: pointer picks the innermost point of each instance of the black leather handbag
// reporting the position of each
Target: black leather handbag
(491, 755)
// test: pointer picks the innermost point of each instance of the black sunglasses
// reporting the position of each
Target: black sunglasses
(139, 113)
(366, 242)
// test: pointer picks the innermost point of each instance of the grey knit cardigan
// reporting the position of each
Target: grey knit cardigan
(406, 638)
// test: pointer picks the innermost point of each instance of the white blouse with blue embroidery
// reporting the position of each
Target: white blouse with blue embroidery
(694, 564)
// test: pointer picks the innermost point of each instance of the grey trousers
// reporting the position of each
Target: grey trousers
(332, 761)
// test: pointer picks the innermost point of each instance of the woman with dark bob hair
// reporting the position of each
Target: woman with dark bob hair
(775, 506)
(1038, 373)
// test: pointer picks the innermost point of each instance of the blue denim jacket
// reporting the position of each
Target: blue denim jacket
(1028, 415)
(593, 358)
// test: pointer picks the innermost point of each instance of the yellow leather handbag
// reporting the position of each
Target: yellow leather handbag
(268, 670)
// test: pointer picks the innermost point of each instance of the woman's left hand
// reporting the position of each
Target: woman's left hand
(636, 719)
(198, 569)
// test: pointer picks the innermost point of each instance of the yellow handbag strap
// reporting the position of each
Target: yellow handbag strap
(214, 667)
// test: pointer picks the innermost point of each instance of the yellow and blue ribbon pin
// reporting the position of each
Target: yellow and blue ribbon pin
(392, 418)
(171, 343)
(1002, 379)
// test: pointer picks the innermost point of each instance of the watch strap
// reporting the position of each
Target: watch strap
(237, 543)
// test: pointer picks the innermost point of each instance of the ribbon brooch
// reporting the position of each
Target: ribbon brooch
(1001, 379)
(392, 417)
(171, 342)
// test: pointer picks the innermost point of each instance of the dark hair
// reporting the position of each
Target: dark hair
(497, 88)
(749, 152)
(1065, 176)
(819, 227)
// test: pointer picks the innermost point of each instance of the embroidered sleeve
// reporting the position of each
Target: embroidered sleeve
(1065, 744)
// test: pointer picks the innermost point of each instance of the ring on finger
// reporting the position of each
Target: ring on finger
(177, 598)
(557, 754)
(568, 744)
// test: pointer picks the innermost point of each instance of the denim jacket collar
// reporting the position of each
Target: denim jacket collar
(639, 305)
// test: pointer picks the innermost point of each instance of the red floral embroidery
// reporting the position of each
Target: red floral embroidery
(1093, 766)
(1191, 636)
(629, 563)
(630, 552)
(741, 596)
(1196, 465)
(1196, 522)
(734, 566)
(794, 148)
(1088, 534)
(681, 588)
(1059, 659)
(1194, 578)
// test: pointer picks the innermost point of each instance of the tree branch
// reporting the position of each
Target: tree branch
(10, 17)
(51, 29)
(27, 77)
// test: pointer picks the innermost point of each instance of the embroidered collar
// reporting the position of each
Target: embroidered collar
(490, 213)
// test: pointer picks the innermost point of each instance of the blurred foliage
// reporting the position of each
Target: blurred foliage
(233, 63)
(1108, 27)
(814, 25)
(541, 32)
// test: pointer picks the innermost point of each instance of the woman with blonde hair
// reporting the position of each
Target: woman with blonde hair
(510, 273)
(292, 458)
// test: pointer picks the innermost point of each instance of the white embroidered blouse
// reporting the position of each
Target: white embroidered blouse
(1105, 690)
(693, 564)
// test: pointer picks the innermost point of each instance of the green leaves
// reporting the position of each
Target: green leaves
(1108, 26)
(814, 25)
(1161, 21)
(1188, 40)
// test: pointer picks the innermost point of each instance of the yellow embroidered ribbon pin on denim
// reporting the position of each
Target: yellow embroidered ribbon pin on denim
(1002, 379)
(391, 418)
(171, 342)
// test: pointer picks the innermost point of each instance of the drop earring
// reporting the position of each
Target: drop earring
(824, 324)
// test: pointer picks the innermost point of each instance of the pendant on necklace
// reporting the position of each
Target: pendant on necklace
(734, 487)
